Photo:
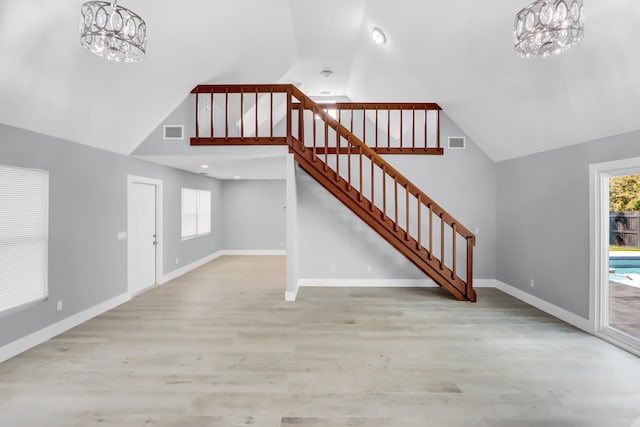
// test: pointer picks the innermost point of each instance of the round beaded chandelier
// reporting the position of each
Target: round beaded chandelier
(112, 32)
(547, 27)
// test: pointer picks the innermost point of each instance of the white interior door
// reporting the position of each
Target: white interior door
(142, 236)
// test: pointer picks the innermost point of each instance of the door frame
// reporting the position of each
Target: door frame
(599, 174)
(133, 179)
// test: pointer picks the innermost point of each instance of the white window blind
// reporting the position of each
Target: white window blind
(24, 235)
(196, 212)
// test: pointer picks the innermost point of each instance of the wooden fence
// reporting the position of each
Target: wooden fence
(624, 229)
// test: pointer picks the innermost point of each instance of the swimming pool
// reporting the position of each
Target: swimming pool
(624, 264)
(624, 268)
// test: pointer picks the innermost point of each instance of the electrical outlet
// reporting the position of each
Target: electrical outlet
(532, 283)
(177, 261)
(59, 305)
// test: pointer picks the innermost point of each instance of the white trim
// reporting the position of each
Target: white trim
(554, 310)
(257, 252)
(367, 283)
(484, 283)
(621, 340)
(187, 268)
(131, 179)
(290, 296)
(599, 174)
(384, 283)
(23, 344)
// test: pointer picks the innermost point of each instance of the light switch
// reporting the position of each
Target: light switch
(122, 235)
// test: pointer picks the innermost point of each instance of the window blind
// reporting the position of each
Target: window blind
(24, 235)
(196, 212)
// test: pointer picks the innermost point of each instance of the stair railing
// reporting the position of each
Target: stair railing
(280, 114)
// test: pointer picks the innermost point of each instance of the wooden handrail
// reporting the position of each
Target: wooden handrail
(308, 103)
(238, 88)
(429, 106)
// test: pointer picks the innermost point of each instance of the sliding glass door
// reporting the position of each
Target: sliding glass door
(623, 299)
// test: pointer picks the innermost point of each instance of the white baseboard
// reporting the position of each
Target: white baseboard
(23, 344)
(484, 283)
(290, 296)
(187, 268)
(367, 283)
(384, 283)
(251, 252)
(554, 310)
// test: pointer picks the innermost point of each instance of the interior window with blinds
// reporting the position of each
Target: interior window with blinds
(24, 236)
(196, 212)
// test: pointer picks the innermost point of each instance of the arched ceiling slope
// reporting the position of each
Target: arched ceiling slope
(459, 54)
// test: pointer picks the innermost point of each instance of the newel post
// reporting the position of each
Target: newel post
(289, 115)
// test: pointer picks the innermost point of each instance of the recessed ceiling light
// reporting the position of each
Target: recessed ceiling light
(378, 36)
(204, 166)
(236, 177)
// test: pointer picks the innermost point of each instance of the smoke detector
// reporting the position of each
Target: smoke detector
(326, 73)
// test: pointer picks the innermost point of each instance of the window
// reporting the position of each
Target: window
(24, 235)
(196, 212)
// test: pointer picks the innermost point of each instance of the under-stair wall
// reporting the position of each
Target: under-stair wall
(335, 247)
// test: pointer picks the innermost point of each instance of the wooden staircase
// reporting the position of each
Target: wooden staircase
(350, 168)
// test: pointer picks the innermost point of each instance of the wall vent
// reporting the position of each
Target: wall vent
(457, 142)
(173, 132)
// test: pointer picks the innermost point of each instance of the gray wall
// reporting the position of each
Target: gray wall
(543, 217)
(254, 215)
(88, 207)
(331, 237)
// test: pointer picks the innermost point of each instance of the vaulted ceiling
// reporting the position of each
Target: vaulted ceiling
(459, 54)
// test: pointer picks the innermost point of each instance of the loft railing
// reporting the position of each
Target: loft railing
(396, 208)
(390, 128)
(250, 114)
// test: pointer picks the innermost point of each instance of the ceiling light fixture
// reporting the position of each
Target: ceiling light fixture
(378, 36)
(112, 32)
(204, 166)
(326, 73)
(548, 27)
(236, 177)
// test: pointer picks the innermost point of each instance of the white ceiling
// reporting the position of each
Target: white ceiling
(459, 54)
(227, 167)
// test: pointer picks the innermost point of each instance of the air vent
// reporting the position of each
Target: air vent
(457, 143)
(173, 132)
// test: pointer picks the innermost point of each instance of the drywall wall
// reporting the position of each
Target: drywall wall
(184, 115)
(543, 219)
(293, 254)
(334, 244)
(88, 207)
(254, 214)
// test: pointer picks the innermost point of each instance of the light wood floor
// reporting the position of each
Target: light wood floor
(219, 347)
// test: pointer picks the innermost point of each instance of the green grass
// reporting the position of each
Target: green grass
(623, 249)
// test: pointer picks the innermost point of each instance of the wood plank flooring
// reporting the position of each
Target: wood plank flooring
(218, 347)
